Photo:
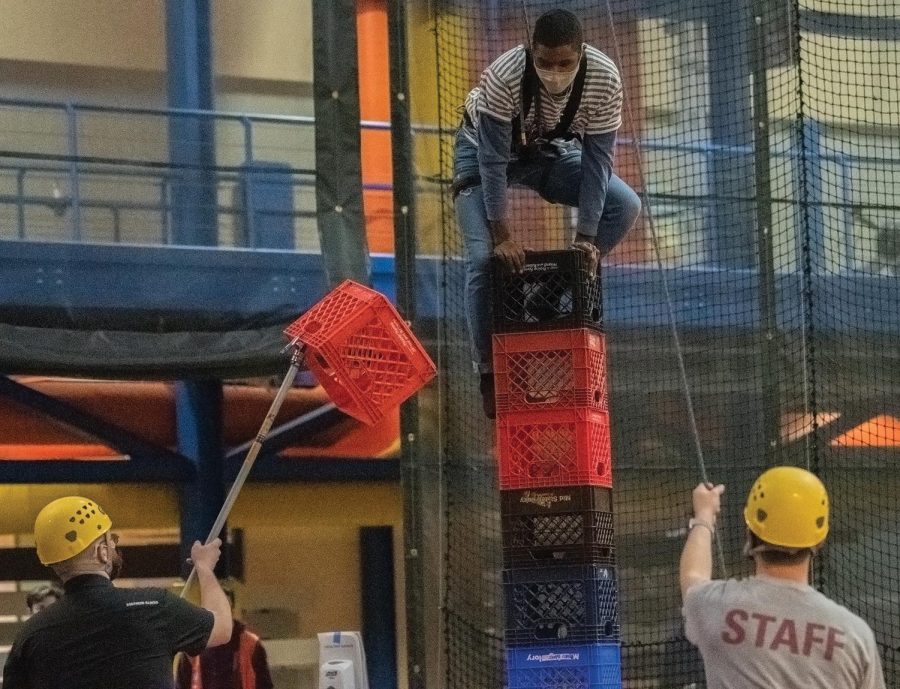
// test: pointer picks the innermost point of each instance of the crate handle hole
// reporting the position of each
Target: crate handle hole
(326, 367)
(360, 375)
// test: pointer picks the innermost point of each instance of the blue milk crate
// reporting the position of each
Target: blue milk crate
(585, 666)
(561, 605)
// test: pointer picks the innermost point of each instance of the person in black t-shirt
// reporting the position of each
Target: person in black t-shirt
(98, 636)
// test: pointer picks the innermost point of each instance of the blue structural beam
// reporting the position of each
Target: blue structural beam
(703, 297)
(143, 460)
(216, 286)
(814, 216)
(201, 284)
(191, 137)
(198, 415)
(198, 404)
(90, 471)
(274, 469)
(379, 627)
(730, 227)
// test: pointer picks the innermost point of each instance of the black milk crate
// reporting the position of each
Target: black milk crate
(569, 525)
(584, 666)
(554, 292)
(561, 605)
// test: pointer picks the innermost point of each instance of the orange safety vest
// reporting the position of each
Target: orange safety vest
(243, 663)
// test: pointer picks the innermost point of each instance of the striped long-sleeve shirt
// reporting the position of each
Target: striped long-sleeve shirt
(498, 98)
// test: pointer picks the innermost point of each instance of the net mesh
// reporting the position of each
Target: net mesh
(773, 244)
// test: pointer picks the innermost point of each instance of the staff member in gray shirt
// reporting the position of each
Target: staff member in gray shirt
(772, 629)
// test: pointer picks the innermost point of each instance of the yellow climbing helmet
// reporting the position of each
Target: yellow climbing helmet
(788, 507)
(67, 526)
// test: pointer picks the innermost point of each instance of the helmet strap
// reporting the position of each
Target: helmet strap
(754, 545)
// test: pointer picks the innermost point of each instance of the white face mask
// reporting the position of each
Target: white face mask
(556, 82)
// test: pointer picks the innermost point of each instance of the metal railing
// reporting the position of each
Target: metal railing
(72, 177)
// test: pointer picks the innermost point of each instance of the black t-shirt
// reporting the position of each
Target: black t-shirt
(102, 637)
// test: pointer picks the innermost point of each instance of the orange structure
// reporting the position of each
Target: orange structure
(147, 409)
(374, 104)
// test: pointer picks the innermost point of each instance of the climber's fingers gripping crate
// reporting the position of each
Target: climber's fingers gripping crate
(562, 525)
(550, 605)
(555, 291)
(582, 666)
(555, 369)
(361, 351)
(566, 447)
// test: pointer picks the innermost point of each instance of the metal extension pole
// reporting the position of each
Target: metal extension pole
(231, 498)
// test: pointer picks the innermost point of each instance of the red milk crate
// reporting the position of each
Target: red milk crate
(567, 447)
(361, 351)
(555, 369)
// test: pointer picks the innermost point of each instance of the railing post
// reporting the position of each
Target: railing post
(165, 232)
(74, 192)
(248, 139)
(770, 347)
(117, 224)
(20, 200)
(812, 138)
(848, 245)
(245, 186)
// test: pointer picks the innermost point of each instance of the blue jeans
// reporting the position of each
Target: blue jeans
(558, 181)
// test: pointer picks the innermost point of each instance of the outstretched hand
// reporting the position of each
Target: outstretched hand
(591, 252)
(511, 254)
(707, 500)
(206, 555)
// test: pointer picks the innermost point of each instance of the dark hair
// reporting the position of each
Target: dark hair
(556, 28)
(772, 555)
(42, 593)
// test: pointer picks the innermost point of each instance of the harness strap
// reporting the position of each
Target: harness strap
(531, 93)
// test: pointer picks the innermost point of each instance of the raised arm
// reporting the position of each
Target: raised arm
(212, 597)
(696, 556)
(494, 145)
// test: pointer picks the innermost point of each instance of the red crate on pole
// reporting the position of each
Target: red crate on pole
(554, 369)
(567, 447)
(361, 351)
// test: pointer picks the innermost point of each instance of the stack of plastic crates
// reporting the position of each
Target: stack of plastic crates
(559, 579)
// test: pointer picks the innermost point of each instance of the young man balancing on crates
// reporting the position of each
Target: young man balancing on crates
(773, 629)
(544, 118)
